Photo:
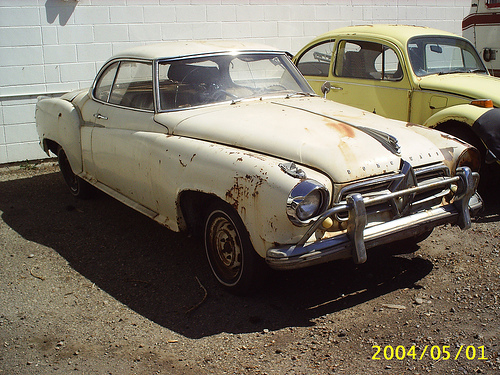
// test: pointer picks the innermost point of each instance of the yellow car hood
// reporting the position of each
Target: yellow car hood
(469, 85)
(311, 131)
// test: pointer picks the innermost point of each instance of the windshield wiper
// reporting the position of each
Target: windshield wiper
(451, 72)
(299, 93)
(237, 100)
(477, 70)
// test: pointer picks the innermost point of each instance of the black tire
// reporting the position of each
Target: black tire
(78, 187)
(422, 236)
(230, 254)
(414, 240)
(406, 246)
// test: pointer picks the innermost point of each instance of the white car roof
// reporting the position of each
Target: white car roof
(189, 48)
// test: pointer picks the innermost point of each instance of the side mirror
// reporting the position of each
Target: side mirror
(489, 54)
(325, 88)
(436, 49)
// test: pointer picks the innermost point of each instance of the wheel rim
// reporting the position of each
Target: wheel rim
(70, 178)
(223, 246)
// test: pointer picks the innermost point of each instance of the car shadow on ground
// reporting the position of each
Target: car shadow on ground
(163, 275)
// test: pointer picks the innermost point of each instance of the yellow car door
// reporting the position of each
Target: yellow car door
(363, 74)
(370, 75)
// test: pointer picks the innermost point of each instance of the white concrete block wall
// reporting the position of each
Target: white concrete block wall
(54, 46)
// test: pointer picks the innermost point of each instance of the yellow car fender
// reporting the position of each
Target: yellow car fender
(465, 113)
(484, 126)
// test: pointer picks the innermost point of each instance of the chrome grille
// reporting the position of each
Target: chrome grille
(381, 186)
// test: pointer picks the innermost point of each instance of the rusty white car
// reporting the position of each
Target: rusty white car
(228, 140)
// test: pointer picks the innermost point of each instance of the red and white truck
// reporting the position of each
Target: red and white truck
(482, 28)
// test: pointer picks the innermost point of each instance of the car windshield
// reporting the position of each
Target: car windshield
(190, 82)
(443, 55)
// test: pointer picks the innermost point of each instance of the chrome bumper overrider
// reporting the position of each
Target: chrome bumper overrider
(359, 237)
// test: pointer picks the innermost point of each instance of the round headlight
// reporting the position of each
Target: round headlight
(306, 201)
(309, 205)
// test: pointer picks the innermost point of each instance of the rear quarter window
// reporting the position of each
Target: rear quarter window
(316, 60)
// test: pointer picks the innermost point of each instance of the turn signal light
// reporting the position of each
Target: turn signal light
(485, 103)
(327, 223)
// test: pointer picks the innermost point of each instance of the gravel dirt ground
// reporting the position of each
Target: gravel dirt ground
(92, 287)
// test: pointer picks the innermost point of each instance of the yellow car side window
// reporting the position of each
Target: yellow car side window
(367, 60)
(316, 61)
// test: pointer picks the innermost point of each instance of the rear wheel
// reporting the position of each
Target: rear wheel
(231, 256)
(78, 187)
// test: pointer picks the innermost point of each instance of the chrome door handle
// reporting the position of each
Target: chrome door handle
(98, 116)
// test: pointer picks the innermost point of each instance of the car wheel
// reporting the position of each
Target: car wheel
(78, 187)
(230, 253)
(422, 236)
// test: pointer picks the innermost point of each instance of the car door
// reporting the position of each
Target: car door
(365, 74)
(121, 136)
(371, 76)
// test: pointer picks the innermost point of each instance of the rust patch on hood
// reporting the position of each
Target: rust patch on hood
(343, 129)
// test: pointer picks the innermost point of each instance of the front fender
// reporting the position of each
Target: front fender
(252, 183)
(59, 121)
(466, 113)
(484, 122)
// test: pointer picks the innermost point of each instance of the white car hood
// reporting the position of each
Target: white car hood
(311, 131)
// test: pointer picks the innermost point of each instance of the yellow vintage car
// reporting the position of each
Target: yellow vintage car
(415, 74)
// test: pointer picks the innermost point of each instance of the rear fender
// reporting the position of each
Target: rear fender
(59, 121)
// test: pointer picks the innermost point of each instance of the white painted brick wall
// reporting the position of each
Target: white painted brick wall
(49, 46)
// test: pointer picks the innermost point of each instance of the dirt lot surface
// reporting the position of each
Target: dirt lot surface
(92, 287)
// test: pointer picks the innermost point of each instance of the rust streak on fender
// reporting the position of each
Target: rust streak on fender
(243, 188)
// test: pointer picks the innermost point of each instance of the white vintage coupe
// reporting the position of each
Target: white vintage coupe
(228, 140)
